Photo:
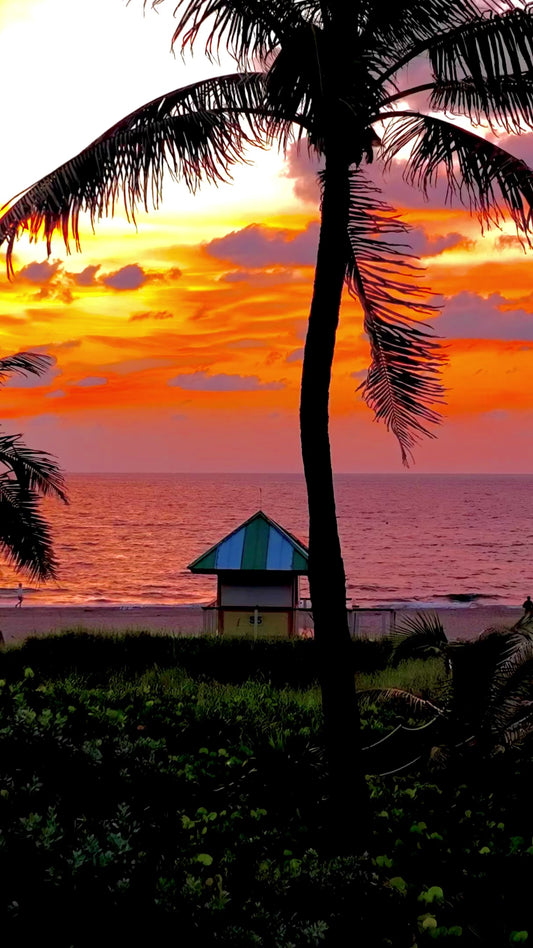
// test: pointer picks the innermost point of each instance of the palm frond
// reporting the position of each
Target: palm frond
(418, 636)
(515, 646)
(486, 49)
(502, 103)
(449, 33)
(505, 715)
(509, 672)
(248, 29)
(396, 696)
(519, 732)
(484, 177)
(425, 625)
(25, 538)
(403, 380)
(33, 470)
(196, 133)
(511, 684)
(492, 681)
(399, 31)
(27, 363)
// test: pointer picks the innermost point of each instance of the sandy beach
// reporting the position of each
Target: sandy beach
(18, 624)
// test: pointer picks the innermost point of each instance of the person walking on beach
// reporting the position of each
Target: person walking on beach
(20, 596)
(527, 606)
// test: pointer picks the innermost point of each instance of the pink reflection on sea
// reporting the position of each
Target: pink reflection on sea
(408, 539)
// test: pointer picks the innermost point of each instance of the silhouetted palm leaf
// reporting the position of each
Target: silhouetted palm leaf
(33, 470)
(27, 475)
(486, 47)
(488, 701)
(197, 133)
(510, 691)
(504, 103)
(248, 29)
(403, 384)
(487, 179)
(25, 363)
(25, 536)
(519, 732)
(399, 697)
(418, 636)
(403, 30)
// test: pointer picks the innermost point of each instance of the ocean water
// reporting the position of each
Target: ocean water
(426, 540)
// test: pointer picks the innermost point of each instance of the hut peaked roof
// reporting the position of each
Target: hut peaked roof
(257, 544)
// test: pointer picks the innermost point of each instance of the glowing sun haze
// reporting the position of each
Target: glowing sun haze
(178, 345)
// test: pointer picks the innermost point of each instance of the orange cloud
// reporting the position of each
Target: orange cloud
(203, 343)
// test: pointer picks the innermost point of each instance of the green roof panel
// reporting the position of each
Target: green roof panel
(207, 561)
(299, 562)
(254, 554)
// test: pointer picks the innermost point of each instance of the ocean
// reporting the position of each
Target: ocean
(407, 539)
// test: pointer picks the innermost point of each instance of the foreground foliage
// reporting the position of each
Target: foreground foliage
(335, 75)
(154, 802)
(486, 700)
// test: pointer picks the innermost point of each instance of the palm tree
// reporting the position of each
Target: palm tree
(333, 73)
(27, 475)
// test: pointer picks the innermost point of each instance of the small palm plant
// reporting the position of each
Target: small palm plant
(27, 475)
(486, 704)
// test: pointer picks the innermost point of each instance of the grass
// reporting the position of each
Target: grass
(425, 677)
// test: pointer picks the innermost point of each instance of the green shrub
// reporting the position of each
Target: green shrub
(207, 657)
(156, 805)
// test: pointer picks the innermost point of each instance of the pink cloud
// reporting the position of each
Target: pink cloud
(510, 242)
(258, 246)
(165, 276)
(223, 382)
(86, 277)
(260, 278)
(130, 277)
(39, 272)
(302, 168)
(469, 316)
(422, 244)
(521, 146)
(133, 276)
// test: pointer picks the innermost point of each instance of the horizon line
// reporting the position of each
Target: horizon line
(402, 473)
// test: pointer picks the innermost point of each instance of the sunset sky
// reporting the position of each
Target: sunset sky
(178, 345)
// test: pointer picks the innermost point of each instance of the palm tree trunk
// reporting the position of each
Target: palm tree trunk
(349, 799)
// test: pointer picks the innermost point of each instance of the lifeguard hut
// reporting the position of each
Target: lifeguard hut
(257, 566)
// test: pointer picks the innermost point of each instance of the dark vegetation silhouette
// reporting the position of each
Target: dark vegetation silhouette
(484, 707)
(27, 475)
(334, 76)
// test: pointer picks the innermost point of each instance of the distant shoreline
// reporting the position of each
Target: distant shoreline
(149, 607)
(460, 622)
